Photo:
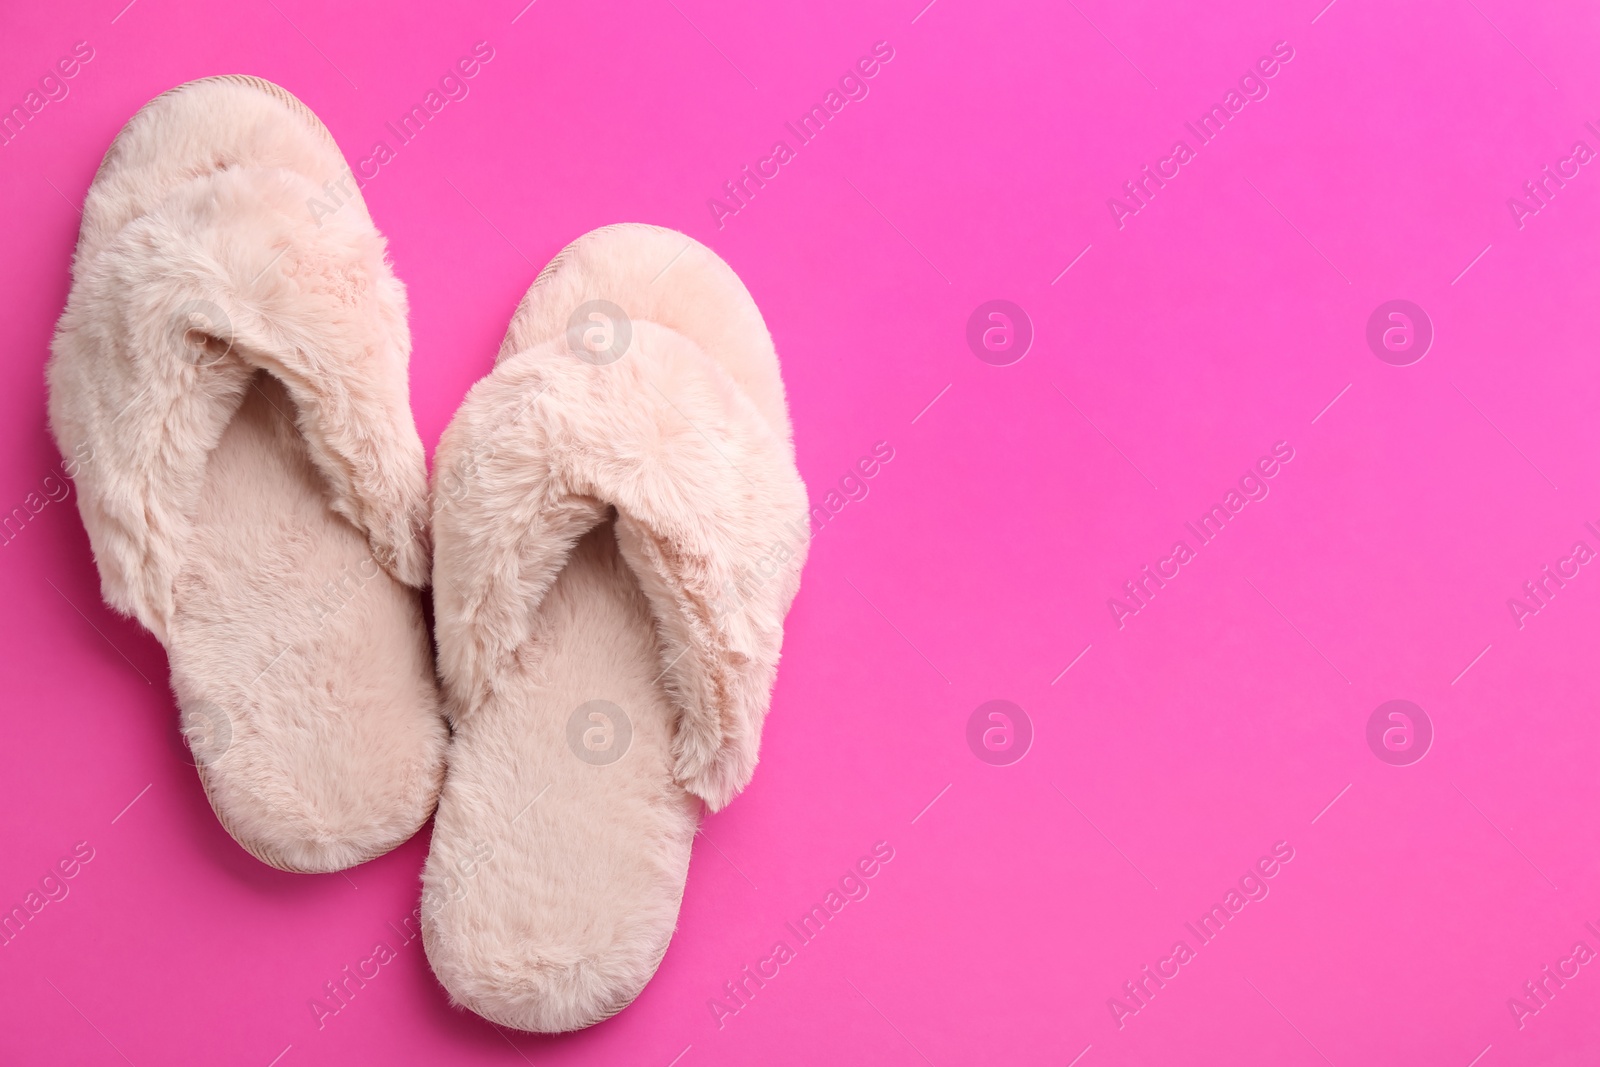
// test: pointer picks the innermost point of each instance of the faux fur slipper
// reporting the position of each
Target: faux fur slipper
(619, 530)
(234, 362)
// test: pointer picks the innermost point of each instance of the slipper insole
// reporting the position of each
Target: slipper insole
(303, 669)
(562, 841)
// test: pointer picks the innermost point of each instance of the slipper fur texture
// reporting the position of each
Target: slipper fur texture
(257, 496)
(622, 527)
(178, 236)
(688, 438)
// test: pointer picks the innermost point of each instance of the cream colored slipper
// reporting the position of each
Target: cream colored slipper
(619, 530)
(233, 359)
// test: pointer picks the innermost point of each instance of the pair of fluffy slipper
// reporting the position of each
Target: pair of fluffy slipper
(611, 533)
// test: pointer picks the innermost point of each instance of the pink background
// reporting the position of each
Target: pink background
(1224, 717)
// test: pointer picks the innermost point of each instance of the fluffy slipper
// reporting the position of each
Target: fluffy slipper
(232, 363)
(619, 529)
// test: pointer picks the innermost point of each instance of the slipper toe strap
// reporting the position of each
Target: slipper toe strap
(711, 518)
(231, 273)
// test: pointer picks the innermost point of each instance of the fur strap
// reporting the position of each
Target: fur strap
(164, 329)
(710, 516)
